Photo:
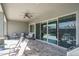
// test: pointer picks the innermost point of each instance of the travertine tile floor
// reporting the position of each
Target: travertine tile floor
(37, 48)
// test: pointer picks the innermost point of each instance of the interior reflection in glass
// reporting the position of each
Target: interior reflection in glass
(52, 32)
(67, 31)
(44, 31)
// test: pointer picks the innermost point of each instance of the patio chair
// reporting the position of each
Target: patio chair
(12, 47)
(20, 50)
(30, 36)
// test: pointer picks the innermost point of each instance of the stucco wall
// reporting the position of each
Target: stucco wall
(17, 26)
(1, 24)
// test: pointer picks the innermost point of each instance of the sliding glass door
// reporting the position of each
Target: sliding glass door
(52, 32)
(61, 32)
(67, 31)
(44, 31)
(38, 27)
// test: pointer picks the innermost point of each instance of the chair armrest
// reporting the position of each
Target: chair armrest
(12, 46)
(7, 51)
(14, 50)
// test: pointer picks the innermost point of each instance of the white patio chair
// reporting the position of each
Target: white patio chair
(30, 36)
(20, 50)
(12, 47)
(23, 47)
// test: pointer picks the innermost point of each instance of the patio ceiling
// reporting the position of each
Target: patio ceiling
(15, 11)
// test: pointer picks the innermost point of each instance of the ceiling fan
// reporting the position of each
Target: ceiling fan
(28, 15)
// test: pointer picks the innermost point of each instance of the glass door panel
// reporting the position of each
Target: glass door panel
(32, 28)
(44, 31)
(38, 31)
(67, 31)
(52, 32)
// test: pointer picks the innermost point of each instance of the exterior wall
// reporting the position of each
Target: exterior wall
(1, 8)
(1, 24)
(5, 26)
(17, 26)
